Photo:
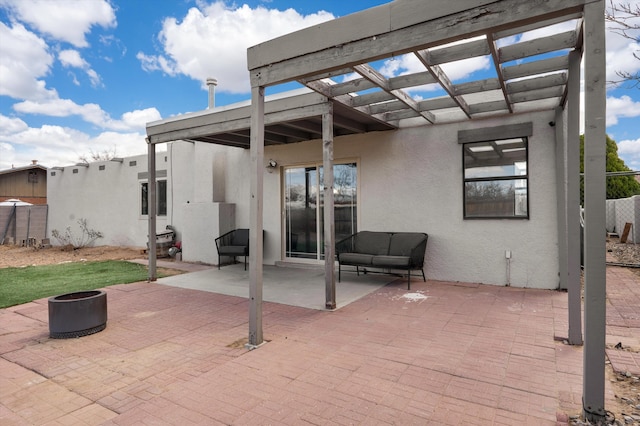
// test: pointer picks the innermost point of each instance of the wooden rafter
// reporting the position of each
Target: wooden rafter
(498, 66)
(441, 77)
(375, 77)
(344, 73)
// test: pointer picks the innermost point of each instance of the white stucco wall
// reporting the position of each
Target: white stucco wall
(408, 180)
(411, 180)
(204, 193)
(200, 177)
(108, 199)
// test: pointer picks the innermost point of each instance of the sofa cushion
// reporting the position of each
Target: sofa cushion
(368, 242)
(402, 243)
(355, 259)
(391, 261)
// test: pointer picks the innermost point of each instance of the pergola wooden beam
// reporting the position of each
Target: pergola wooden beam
(375, 77)
(425, 57)
(469, 22)
(495, 55)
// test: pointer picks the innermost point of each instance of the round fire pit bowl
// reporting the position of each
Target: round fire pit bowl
(77, 314)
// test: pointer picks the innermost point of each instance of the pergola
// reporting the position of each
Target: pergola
(534, 49)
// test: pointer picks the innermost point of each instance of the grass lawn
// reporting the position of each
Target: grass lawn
(22, 285)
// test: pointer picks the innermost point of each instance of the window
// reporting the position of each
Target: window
(161, 198)
(304, 208)
(496, 179)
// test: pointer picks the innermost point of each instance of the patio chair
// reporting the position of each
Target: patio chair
(233, 243)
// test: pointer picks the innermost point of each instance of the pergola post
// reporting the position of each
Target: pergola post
(572, 200)
(594, 211)
(151, 209)
(561, 190)
(329, 212)
(255, 217)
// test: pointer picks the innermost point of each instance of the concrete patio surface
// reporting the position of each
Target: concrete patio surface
(443, 353)
(296, 286)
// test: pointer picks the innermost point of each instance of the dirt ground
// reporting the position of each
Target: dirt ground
(627, 397)
(16, 256)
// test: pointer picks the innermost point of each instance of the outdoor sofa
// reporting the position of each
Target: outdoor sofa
(383, 250)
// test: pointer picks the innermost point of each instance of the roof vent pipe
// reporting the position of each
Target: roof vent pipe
(212, 83)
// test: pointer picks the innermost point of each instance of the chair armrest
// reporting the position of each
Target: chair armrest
(224, 239)
(417, 253)
(346, 245)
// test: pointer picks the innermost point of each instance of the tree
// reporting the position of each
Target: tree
(105, 155)
(625, 21)
(617, 186)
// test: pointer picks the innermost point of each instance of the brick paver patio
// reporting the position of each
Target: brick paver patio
(445, 354)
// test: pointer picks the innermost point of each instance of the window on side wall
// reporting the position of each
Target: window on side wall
(161, 198)
(496, 179)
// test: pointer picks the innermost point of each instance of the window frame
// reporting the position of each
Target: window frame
(492, 134)
(161, 201)
(317, 166)
(497, 178)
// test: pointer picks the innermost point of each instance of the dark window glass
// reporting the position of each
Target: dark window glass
(161, 198)
(144, 201)
(496, 179)
(161, 195)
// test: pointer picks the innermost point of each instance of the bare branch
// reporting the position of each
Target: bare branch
(625, 20)
(105, 155)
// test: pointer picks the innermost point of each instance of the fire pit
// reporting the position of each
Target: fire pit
(77, 314)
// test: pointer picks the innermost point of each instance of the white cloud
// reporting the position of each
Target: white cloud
(620, 49)
(9, 126)
(63, 108)
(212, 41)
(457, 70)
(135, 120)
(94, 78)
(156, 63)
(629, 151)
(621, 60)
(71, 58)
(64, 20)
(622, 107)
(25, 60)
(617, 108)
(58, 145)
(546, 31)
(91, 113)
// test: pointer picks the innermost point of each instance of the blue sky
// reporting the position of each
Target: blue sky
(82, 77)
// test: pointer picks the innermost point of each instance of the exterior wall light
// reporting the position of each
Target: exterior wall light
(271, 165)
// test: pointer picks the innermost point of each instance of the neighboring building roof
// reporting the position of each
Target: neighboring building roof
(14, 202)
(20, 169)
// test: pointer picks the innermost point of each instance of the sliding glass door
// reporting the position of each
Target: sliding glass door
(304, 208)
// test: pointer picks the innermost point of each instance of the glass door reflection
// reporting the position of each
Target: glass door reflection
(304, 208)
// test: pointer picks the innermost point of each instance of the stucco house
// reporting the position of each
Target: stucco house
(487, 167)
(109, 195)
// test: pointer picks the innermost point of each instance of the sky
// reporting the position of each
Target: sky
(83, 77)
